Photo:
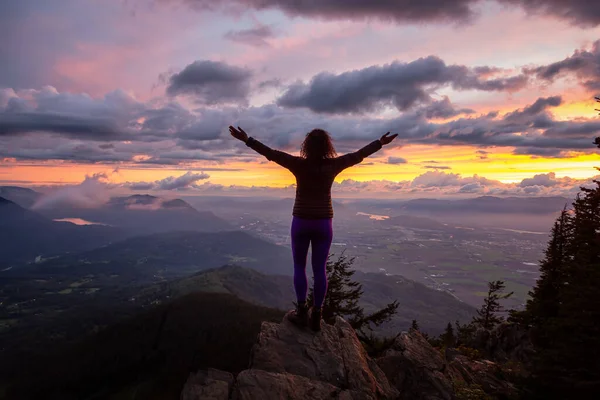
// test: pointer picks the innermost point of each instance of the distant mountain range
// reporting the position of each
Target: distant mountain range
(25, 234)
(24, 197)
(433, 309)
(48, 232)
(145, 214)
(482, 204)
(143, 260)
(489, 204)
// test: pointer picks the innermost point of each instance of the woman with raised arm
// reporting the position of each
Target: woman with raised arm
(315, 170)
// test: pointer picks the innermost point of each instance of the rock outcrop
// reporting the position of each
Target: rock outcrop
(419, 371)
(292, 363)
(507, 342)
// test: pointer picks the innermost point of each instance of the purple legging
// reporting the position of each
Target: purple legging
(320, 233)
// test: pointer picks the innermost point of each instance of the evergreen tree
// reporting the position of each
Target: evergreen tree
(564, 311)
(544, 300)
(487, 316)
(568, 362)
(415, 325)
(448, 338)
(343, 295)
(464, 333)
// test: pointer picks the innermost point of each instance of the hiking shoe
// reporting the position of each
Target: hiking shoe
(299, 316)
(314, 321)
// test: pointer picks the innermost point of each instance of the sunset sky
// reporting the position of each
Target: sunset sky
(488, 97)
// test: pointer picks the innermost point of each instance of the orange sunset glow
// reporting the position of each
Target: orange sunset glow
(153, 100)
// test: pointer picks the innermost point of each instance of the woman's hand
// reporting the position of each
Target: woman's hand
(385, 139)
(238, 133)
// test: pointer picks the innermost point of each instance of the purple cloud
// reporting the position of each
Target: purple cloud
(253, 36)
(402, 85)
(211, 83)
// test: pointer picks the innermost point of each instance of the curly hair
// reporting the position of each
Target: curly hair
(317, 145)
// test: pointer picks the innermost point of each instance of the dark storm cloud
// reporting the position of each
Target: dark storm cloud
(585, 13)
(388, 10)
(67, 125)
(444, 109)
(539, 152)
(212, 82)
(64, 150)
(585, 64)
(573, 129)
(534, 115)
(402, 85)
(253, 36)
(540, 105)
(117, 128)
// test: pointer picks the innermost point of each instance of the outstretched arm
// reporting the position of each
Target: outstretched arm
(350, 159)
(282, 158)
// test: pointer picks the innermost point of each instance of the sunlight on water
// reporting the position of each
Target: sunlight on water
(374, 216)
(77, 221)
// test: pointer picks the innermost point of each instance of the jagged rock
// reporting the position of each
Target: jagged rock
(254, 384)
(210, 384)
(333, 355)
(416, 369)
(484, 373)
(288, 362)
(419, 371)
(507, 342)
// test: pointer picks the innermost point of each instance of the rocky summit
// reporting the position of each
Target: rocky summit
(288, 362)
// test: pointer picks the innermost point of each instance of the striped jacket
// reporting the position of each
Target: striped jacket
(313, 179)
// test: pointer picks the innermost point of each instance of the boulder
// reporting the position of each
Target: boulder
(210, 384)
(506, 342)
(292, 363)
(416, 369)
(333, 355)
(288, 362)
(419, 371)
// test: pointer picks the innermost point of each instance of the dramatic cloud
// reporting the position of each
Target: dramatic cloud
(396, 160)
(401, 85)
(171, 183)
(170, 134)
(443, 109)
(91, 193)
(583, 13)
(211, 83)
(548, 180)
(253, 36)
(585, 64)
(540, 152)
(536, 108)
(429, 184)
(69, 125)
(388, 10)
(440, 179)
(577, 12)
(72, 115)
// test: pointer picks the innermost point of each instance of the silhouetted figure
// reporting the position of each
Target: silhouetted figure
(315, 171)
(597, 141)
